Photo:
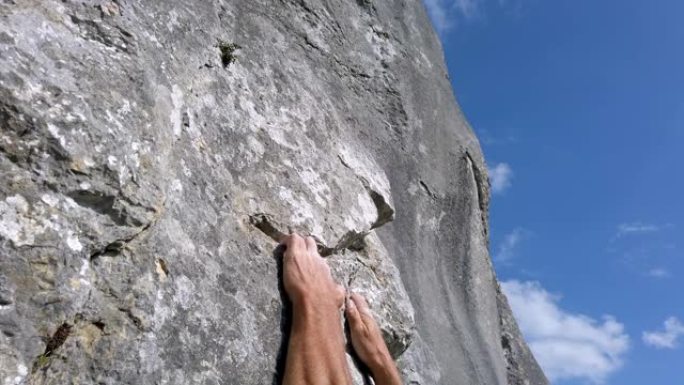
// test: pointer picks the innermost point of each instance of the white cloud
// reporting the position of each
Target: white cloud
(445, 12)
(666, 339)
(500, 177)
(635, 228)
(466, 7)
(487, 138)
(658, 272)
(507, 247)
(438, 14)
(566, 345)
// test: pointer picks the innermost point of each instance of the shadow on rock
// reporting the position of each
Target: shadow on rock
(285, 319)
(360, 366)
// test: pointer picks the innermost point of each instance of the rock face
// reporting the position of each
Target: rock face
(151, 152)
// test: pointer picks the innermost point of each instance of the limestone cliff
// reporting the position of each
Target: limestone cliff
(150, 152)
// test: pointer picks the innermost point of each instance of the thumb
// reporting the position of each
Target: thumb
(361, 304)
(353, 315)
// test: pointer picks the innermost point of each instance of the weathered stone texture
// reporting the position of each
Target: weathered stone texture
(144, 178)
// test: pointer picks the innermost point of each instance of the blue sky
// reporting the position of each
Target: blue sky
(579, 107)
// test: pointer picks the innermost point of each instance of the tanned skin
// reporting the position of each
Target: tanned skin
(315, 354)
(368, 343)
(316, 351)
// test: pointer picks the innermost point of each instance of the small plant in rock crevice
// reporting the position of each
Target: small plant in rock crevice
(227, 52)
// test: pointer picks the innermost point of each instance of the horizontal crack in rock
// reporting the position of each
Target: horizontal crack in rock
(118, 245)
(351, 240)
(264, 223)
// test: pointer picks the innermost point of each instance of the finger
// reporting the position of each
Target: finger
(325, 266)
(353, 315)
(361, 304)
(311, 246)
(341, 294)
(294, 244)
(341, 290)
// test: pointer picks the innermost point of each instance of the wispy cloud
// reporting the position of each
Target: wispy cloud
(645, 248)
(567, 345)
(487, 138)
(658, 272)
(631, 229)
(507, 248)
(445, 13)
(500, 177)
(636, 228)
(438, 14)
(668, 337)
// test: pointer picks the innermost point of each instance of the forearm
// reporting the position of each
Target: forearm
(316, 353)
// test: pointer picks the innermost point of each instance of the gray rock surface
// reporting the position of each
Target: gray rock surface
(150, 152)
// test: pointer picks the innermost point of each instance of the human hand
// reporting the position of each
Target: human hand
(306, 275)
(368, 343)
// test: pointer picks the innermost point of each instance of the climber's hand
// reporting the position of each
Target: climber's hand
(368, 343)
(306, 275)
